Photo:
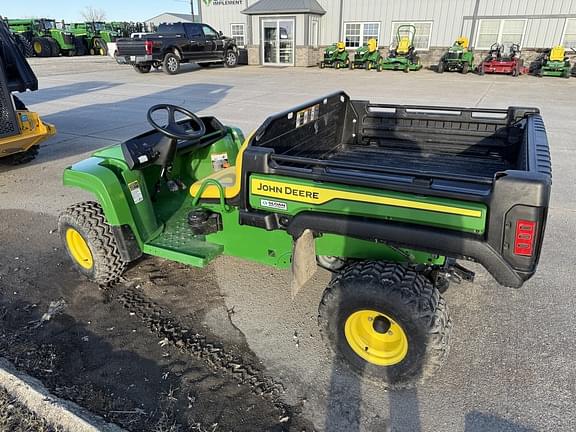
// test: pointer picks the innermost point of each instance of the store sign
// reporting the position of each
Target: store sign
(223, 2)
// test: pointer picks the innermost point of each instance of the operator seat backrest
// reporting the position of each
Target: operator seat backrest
(557, 53)
(403, 45)
(341, 46)
(463, 42)
(372, 45)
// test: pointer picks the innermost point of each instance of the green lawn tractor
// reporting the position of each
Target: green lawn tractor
(403, 56)
(335, 56)
(106, 31)
(45, 38)
(553, 62)
(91, 34)
(387, 197)
(21, 130)
(458, 58)
(367, 56)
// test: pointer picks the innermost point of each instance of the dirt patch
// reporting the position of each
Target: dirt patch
(95, 352)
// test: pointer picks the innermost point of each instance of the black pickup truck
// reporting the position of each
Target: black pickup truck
(177, 43)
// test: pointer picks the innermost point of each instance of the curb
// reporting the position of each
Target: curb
(61, 413)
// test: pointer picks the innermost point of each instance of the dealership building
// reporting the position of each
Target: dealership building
(294, 32)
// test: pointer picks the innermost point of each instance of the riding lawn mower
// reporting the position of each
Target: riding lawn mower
(403, 56)
(335, 56)
(458, 58)
(553, 62)
(501, 62)
(367, 57)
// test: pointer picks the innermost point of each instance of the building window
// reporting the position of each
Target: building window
(422, 36)
(314, 33)
(507, 32)
(358, 34)
(569, 37)
(237, 33)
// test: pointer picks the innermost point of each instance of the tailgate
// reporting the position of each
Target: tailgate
(131, 47)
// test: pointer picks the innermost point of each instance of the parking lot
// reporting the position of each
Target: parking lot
(511, 364)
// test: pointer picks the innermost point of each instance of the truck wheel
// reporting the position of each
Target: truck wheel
(386, 322)
(90, 242)
(54, 47)
(171, 64)
(230, 59)
(145, 68)
(41, 47)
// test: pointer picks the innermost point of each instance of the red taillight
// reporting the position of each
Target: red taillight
(524, 237)
(148, 45)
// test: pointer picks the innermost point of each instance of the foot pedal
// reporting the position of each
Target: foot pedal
(203, 222)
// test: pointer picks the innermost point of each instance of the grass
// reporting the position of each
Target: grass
(15, 417)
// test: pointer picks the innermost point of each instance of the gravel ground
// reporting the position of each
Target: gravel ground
(511, 366)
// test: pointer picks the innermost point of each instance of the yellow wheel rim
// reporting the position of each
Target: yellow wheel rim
(102, 52)
(37, 47)
(376, 337)
(79, 248)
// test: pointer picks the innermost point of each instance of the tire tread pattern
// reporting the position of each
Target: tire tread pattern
(88, 215)
(416, 292)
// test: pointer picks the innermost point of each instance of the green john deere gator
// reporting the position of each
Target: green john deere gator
(44, 36)
(387, 197)
(403, 55)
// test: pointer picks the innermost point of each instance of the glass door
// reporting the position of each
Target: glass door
(278, 42)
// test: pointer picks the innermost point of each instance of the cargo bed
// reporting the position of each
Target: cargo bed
(497, 157)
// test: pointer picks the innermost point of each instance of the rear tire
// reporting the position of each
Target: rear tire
(24, 45)
(54, 47)
(86, 221)
(440, 67)
(171, 64)
(41, 47)
(392, 294)
(142, 68)
(465, 68)
(79, 47)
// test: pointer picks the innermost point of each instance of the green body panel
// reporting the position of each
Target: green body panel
(556, 69)
(42, 28)
(457, 56)
(161, 228)
(363, 56)
(100, 177)
(332, 55)
(386, 212)
(398, 63)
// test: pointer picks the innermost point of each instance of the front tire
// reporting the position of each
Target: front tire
(386, 322)
(230, 59)
(171, 64)
(90, 242)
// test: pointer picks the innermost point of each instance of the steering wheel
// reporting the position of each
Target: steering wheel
(173, 129)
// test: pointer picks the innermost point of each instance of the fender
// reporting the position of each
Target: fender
(111, 193)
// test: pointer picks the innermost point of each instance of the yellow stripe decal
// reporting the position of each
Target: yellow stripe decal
(314, 195)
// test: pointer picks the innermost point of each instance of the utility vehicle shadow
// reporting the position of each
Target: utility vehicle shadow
(90, 127)
(46, 94)
(477, 421)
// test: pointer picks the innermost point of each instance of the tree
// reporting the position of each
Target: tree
(90, 13)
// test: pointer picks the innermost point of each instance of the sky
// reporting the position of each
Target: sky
(69, 10)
